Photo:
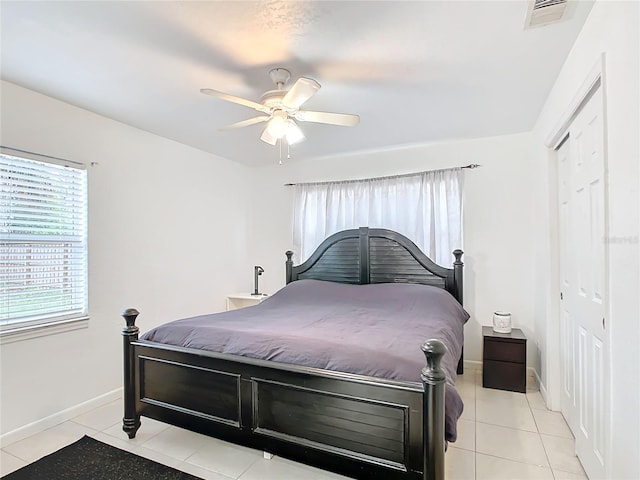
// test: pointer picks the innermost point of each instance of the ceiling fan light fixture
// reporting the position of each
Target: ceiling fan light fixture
(278, 124)
(294, 133)
(267, 137)
(281, 109)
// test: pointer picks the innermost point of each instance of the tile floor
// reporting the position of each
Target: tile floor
(502, 435)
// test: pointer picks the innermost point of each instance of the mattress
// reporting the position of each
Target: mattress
(375, 330)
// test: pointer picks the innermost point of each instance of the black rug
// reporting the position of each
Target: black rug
(89, 459)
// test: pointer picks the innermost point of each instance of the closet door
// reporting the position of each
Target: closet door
(583, 270)
(567, 323)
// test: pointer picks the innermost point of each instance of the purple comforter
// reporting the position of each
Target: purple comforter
(374, 330)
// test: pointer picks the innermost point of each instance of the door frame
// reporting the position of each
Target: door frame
(596, 78)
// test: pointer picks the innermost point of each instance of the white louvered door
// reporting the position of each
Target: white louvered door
(584, 337)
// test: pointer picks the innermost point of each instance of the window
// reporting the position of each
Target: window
(425, 207)
(43, 242)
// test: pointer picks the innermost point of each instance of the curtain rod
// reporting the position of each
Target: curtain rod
(470, 166)
(63, 160)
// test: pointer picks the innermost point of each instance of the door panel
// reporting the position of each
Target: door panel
(567, 328)
(598, 400)
(583, 385)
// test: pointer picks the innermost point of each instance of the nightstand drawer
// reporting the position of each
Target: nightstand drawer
(504, 375)
(505, 351)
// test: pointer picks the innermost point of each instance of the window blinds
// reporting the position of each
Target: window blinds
(43, 244)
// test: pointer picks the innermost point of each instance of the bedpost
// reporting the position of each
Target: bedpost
(131, 420)
(289, 266)
(434, 382)
(457, 274)
(457, 281)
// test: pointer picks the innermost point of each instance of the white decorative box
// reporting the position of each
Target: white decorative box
(502, 322)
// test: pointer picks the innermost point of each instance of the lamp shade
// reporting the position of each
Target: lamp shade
(294, 134)
(278, 124)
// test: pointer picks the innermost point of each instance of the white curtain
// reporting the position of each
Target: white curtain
(425, 207)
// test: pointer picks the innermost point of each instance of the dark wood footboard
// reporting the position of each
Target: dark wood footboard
(359, 426)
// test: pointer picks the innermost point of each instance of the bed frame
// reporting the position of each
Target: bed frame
(356, 425)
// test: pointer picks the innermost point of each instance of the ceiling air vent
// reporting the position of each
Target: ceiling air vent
(544, 12)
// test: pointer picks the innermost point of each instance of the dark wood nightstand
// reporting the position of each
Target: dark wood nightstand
(504, 360)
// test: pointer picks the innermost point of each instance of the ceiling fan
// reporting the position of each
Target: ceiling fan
(281, 109)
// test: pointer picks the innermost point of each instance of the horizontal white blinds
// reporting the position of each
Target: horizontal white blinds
(43, 247)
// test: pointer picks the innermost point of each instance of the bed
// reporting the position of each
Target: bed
(347, 409)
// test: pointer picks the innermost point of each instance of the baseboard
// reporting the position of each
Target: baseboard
(542, 388)
(474, 365)
(533, 380)
(57, 418)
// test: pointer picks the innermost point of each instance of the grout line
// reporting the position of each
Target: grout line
(23, 463)
(16, 456)
(510, 428)
(12, 455)
(82, 425)
(583, 474)
(541, 441)
(535, 421)
(104, 430)
(452, 445)
(551, 434)
(475, 425)
(249, 467)
(544, 447)
(516, 461)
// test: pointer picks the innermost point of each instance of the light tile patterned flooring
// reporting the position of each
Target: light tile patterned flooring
(502, 435)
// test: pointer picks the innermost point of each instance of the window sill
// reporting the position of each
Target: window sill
(34, 331)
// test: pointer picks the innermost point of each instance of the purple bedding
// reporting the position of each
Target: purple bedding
(374, 330)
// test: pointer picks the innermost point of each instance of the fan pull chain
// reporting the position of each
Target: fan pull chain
(280, 162)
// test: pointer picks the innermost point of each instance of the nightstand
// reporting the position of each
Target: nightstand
(504, 360)
(241, 300)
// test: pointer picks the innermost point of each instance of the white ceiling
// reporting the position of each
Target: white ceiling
(415, 72)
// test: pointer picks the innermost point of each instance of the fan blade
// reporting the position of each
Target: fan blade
(344, 119)
(246, 123)
(267, 137)
(300, 92)
(234, 99)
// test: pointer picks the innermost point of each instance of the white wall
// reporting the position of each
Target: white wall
(498, 207)
(167, 234)
(612, 28)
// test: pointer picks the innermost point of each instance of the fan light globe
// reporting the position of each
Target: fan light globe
(294, 134)
(278, 124)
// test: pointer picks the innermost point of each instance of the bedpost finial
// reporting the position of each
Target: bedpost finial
(130, 315)
(458, 254)
(433, 350)
(289, 266)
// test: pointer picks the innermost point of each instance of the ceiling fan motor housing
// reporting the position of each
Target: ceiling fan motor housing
(273, 98)
(280, 77)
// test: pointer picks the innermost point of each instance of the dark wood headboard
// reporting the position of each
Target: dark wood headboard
(376, 255)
